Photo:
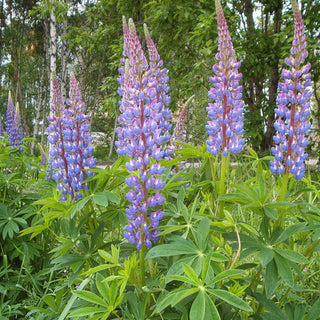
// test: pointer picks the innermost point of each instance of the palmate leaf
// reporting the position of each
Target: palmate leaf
(178, 247)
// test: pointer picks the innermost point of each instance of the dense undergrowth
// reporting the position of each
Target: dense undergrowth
(257, 257)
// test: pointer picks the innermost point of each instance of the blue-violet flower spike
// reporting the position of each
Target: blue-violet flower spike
(225, 127)
(293, 107)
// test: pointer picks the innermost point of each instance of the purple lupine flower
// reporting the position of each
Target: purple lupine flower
(142, 135)
(10, 120)
(179, 132)
(16, 130)
(57, 164)
(293, 107)
(225, 127)
(69, 136)
(78, 139)
(1, 129)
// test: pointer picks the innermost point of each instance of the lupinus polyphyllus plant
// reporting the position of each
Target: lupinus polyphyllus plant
(225, 127)
(142, 135)
(69, 136)
(293, 107)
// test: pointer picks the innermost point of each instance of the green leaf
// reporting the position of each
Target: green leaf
(289, 232)
(224, 275)
(87, 311)
(266, 255)
(284, 269)
(270, 212)
(314, 312)
(202, 233)
(102, 287)
(249, 228)
(172, 249)
(211, 310)
(230, 298)
(218, 257)
(50, 301)
(292, 256)
(90, 297)
(100, 199)
(197, 310)
(191, 274)
(270, 306)
(173, 298)
(183, 279)
(271, 279)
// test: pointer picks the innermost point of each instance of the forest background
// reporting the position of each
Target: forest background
(40, 38)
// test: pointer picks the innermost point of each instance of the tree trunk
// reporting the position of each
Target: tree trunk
(52, 47)
(39, 109)
(274, 80)
(64, 59)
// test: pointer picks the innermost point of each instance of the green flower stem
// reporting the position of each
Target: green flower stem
(142, 266)
(222, 190)
(284, 187)
(282, 196)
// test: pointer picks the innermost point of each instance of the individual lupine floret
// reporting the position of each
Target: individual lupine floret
(141, 136)
(293, 107)
(225, 127)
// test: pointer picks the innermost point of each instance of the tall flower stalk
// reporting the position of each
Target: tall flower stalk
(293, 109)
(70, 153)
(142, 135)
(225, 127)
(17, 131)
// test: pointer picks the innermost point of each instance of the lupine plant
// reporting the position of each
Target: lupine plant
(71, 152)
(225, 127)
(293, 108)
(142, 135)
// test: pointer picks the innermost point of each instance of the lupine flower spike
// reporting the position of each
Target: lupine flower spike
(70, 153)
(225, 127)
(1, 129)
(10, 120)
(142, 134)
(293, 107)
(17, 131)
